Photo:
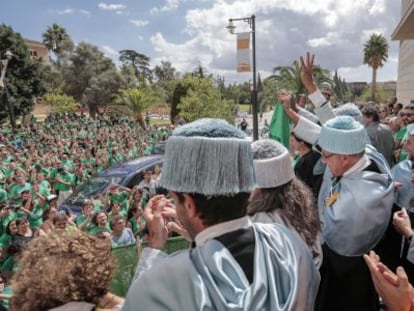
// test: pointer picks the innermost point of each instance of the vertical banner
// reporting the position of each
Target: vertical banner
(243, 52)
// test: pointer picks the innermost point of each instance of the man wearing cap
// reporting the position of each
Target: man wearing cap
(234, 264)
(355, 203)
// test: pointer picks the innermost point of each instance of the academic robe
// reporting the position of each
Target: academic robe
(208, 277)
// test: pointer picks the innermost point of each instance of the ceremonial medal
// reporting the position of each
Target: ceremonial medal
(332, 198)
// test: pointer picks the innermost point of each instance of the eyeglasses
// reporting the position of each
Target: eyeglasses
(327, 156)
(407, 114)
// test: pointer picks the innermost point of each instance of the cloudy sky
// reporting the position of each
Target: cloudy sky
(189, 33)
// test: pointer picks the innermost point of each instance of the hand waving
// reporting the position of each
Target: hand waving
(306, 72)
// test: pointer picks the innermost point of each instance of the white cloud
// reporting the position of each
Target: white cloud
(111, 7)
(139, 22)
(141, 38)
(109, 51)
(169, 5)
(85, 12)
(330, 39)
(66, 11)
(377, 8)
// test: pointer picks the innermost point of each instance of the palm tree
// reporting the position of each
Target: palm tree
(289, 77)
(375, 55)
(137, 101)
(55, 37)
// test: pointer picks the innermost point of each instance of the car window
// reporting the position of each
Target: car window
(97, 185)
(135, 180)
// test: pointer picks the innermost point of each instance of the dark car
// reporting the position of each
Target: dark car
(127, 174)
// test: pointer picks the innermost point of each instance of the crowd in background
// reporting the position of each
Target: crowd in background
(41, 164)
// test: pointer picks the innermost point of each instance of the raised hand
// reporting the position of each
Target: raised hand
(158, 232)
(306, 72)
(394, 289)
(402, 223)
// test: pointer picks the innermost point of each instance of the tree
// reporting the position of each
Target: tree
(164, 72)
(90, 77)
(382, 95)
(203, 100)
(23, 78)
(340, 88)
(375, 55)
(57, 40)
(138, 100)
(60, 103)
(139, 62)
(289, 77)
(102, 90)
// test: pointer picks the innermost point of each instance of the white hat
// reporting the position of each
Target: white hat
(349, 109)
(342, 135)
(272, 163)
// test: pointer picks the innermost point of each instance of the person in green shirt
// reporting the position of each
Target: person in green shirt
(63, 183)
(5, 293)
(100, 223)
(119, 194)
(84, 221)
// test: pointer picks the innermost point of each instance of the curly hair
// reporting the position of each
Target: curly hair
(295, 204)
(60, 268)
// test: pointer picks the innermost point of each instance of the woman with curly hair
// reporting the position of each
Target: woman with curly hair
(77, 274)
(281, 197)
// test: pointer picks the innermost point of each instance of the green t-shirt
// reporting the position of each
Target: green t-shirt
(95, 229)
(65, 177)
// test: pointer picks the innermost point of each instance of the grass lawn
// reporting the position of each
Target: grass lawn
(244, 108)
(160, 122)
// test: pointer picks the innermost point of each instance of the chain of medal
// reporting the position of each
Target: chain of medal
(333, 194)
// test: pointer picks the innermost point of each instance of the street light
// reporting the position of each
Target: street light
(252, 23)
(4, 63)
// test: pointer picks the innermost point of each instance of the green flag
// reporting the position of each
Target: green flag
(279, 128)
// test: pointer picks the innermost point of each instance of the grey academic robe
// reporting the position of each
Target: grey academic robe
(358, 219)
(402, 173)
(207, 277)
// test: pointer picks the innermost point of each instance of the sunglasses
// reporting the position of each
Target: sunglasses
(407, 114)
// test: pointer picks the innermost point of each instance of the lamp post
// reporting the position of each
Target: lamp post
(252, 23)
(4, 63)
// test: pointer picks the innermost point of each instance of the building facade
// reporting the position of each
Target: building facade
(404, 32)
(37, 50)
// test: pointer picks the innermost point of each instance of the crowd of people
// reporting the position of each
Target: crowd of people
(40, 166)
(320, 225)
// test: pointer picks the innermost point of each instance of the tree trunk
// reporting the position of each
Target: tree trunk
(374, 83)
(141, 121)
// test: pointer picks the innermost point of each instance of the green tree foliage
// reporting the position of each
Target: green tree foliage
(60, 102)
(204, 100)
(180, 91)
(164, 72)
(166, 81)
(139, 62)
(102, 89)
(340, 88)
(90, 77)
(23, 77)
(375, 55)
(289, 77)
(382, 95)
(137, 101)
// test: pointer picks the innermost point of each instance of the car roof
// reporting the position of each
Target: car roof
(131, 166)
